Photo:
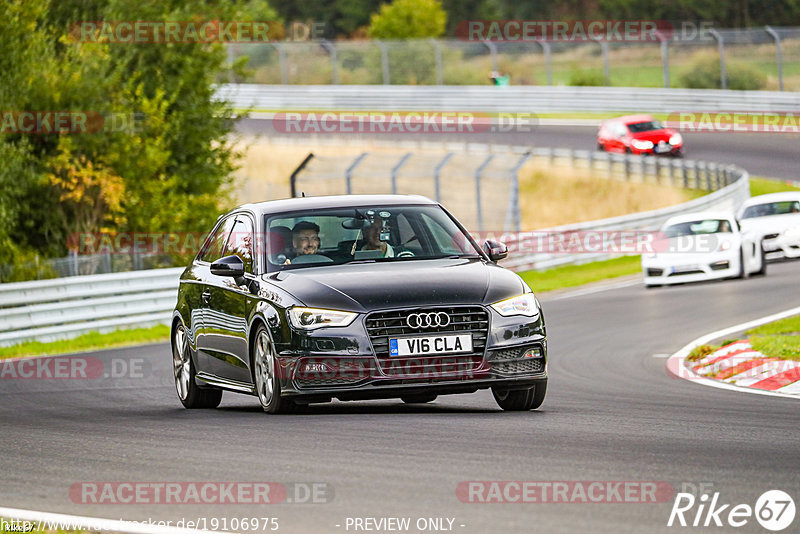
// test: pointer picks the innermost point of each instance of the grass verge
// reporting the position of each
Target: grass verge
(763, 186)
(90, 341)
(780, 339)
(577, 275)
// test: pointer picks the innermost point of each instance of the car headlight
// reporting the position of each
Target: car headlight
(725, 245)
(675, 139)
(524, 304)
(642, 145)
(312, 318)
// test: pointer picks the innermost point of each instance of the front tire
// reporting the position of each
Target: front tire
(266, 377)
(521, 400)
(190, 395)
(763, 270)
(743, 274)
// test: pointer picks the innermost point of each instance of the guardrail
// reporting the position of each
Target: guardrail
(491, 99)
(47, 310)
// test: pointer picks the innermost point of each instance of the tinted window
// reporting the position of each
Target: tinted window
(212, 249)
(707, 226)
(240, 241)
(371, 233)
(771, 208)
(645, 126)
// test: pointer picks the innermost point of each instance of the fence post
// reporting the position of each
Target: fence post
(777, 38)
(348, 174)
(717, 176)
(696, 167)
(331, 49)
(384, 61)
(283, 60)
(513, 213)
(604, 49)
(548, 60)
(436, 175)
(721, 46)
(492, 52)
(396, 171)
(664, 58)
(437, 52)
(478, 204)
(293, 176)
(685, 170)
(627, 168)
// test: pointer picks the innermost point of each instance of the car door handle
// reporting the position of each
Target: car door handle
(206, 296)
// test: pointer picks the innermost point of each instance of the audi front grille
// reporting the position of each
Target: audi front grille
(381, 326)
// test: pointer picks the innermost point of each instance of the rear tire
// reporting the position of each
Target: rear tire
(521, 400)
(189, 393)
(422, 398)
(266, 377)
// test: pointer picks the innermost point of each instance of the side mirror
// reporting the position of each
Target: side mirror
(495, 250)
(228, 266)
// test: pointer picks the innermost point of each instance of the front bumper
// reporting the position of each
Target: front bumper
(319, 365)
(682, 268)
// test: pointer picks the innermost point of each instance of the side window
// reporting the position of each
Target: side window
(212, 250)
(240, 242)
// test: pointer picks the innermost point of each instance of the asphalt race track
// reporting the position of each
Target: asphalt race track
(612, 413)
(762, 154)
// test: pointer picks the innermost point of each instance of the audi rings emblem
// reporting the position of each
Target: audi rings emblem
(428, 320)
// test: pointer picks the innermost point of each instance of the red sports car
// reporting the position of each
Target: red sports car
(638, 134)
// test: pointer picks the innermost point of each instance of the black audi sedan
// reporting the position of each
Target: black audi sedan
(304, 300)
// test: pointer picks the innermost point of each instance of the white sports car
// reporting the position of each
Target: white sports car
(775, 220)
(702, 246)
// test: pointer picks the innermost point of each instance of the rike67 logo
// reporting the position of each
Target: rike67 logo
(774, 510)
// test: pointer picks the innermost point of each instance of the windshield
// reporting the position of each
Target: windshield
(365, 234)
(645, 126)
(771, 208)
(707, 226)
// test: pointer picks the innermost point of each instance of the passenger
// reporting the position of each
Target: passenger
(372, 235)
(305, 240)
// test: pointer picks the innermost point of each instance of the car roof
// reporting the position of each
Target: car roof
(633, 119)
(333, 201)
(772, 197)
(699, 216)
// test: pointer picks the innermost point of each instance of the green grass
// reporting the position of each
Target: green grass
(763, 186)
(576, 275)
(779, 339)
(701, 351)
(90, 341)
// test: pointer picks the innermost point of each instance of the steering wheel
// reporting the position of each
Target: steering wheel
(405, 254)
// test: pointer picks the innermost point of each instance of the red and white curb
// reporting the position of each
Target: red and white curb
(737, 366)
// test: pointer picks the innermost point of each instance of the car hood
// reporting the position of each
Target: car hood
(773, 224)
(374, 286)
(653, 135)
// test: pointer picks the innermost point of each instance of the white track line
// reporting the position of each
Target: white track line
(75, 522)
(676, 361)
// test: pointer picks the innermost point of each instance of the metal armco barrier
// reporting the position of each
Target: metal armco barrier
(513, 99)
(47, 310)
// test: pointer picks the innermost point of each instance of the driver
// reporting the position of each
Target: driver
(305, 240)
(372, 235)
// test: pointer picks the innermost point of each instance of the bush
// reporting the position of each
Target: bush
(704, 73)
(587, 78)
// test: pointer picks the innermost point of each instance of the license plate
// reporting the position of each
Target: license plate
(416, 346)
(662, 147)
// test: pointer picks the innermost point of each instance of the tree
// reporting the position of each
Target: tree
(409, 19)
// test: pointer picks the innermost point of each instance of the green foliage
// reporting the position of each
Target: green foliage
(701, 351)
(408, 19)
(704, 72)
(167, 168)
(587, 78)
(763, 186)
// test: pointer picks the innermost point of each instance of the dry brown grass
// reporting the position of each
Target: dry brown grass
(549, 196)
